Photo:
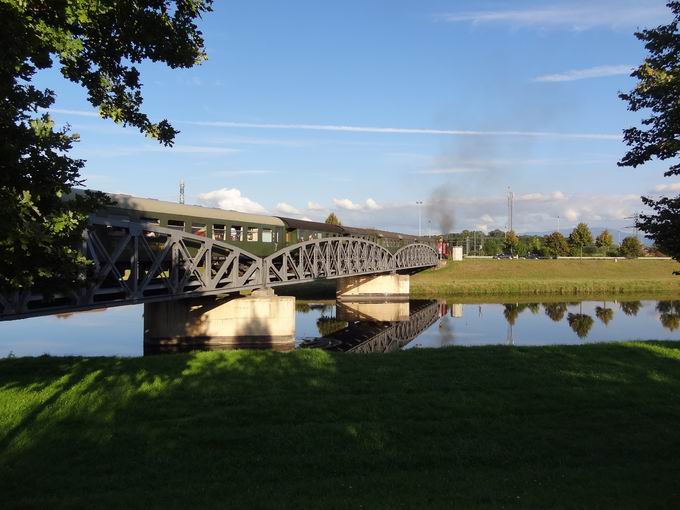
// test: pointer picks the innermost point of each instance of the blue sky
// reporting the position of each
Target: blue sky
(365, 107)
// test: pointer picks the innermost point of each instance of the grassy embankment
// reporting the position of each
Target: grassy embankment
(570, 277)
(592, 426)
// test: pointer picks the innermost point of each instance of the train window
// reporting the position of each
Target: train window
(252, 234)
(176, 224)
(318, 235)
(155, 221)
(236, 233)
(219, 232)
(267, 236)
(199, 229)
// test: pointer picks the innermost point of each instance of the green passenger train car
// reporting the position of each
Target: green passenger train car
(258, 234)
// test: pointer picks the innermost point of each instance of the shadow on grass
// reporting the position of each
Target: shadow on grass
(587, 426)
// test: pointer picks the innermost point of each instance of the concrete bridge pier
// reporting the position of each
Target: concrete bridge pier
(373, 310)
(393, 286)
(261, 320)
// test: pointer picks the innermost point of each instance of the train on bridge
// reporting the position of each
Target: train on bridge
(258, 234)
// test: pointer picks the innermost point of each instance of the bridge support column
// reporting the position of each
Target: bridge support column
(373, 286)
(261, 320)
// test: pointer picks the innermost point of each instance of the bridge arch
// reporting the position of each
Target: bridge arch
(329, 257)
(416, 255)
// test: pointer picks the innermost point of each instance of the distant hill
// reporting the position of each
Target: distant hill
(617, 234)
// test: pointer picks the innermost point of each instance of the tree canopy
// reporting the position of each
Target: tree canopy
(631, 247)
(332, 219)
(555, 245)
(96, 45)
(657, 92)
(605, 240)
(511, 242)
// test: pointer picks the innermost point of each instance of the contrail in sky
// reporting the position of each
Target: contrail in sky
(369, 129)
(395, 130)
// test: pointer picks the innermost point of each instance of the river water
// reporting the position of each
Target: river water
(374, 327)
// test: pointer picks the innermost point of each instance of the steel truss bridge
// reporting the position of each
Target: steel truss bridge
(381, 336)
(143, 262)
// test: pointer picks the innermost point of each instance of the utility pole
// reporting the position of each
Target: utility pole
(558, 223)
(419, 203)
(181, 191)
(511, 199)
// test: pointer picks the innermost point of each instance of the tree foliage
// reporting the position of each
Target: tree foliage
(511, 243)
(555, 311)
(581, 236)
(555, 245)
(631, 247)
(604, 313)
(657, 92)
(630, 308)
(605, 240)
(332, 219)
(580, 323)
(97, 45)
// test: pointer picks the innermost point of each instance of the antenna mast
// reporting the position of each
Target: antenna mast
(511, 199)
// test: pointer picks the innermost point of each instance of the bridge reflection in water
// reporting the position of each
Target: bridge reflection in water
(360, 327)
(378, 327)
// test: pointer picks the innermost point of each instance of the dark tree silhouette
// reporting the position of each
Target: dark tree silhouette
(555, 311)
(580, 323)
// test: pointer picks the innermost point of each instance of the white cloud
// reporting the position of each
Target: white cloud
(76, 113)
(446, 171)
(541, 197)
(571, 214)
(230, 199)
(285, 208)
(570, 15)
(584, 74)
(347, 204)
(674, 186)
(487, 219)
(313, 206)
(372, 204)
(400, 130)
(531, 196)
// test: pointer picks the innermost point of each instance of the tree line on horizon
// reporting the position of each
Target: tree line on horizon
(580, 242)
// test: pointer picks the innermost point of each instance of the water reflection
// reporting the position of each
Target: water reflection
(555, 311)
(373, 327)
(630, 308)
(371, 334)
(669, 314)
(580, 323)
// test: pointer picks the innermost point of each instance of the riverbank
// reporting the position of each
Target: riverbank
(544, 427)
(543, 277)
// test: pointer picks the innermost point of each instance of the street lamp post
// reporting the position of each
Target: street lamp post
(419, 203)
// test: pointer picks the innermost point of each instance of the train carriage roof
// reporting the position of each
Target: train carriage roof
(150, 206)
(311, 225)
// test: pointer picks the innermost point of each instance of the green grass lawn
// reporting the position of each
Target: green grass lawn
(594, 426)
(483, 276)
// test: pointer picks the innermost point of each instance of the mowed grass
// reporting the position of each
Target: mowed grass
(593, 426)
(560, 276)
